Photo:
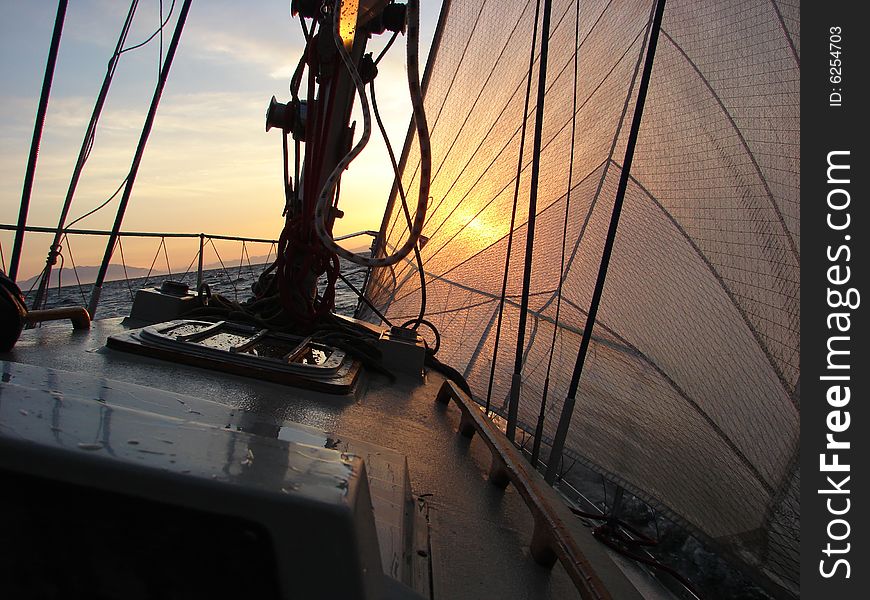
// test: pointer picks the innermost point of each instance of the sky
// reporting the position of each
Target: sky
(209, 165)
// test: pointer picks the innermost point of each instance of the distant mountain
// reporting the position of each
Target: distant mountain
(262, 259)
(88, 275)
(233, 263)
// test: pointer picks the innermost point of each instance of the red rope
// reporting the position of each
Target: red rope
(301, 257)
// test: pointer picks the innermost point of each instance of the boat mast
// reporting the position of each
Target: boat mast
(137, 158)
(37, 137)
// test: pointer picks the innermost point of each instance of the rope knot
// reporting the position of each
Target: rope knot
(53, 253)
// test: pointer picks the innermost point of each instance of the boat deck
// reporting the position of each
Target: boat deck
(479, 533)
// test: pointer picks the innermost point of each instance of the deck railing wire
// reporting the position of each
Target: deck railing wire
(205, 239)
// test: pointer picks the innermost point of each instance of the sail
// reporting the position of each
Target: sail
(690, 393)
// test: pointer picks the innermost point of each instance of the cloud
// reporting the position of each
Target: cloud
(209, 165)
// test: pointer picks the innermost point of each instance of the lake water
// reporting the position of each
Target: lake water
(117, 296)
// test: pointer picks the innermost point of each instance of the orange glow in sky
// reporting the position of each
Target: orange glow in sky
(209, 165)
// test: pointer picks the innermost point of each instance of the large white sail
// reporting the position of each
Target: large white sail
(690, 395)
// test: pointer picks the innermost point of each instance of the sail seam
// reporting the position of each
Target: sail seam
(507, 143)
(505, 236)
(512, 181)
(774, 206)
(447, 94)
(605, 163)
(501, 112)
(724, 285)
(480, 94)
(628, 348)
(691, 402)
(516, 196)
(785, 32)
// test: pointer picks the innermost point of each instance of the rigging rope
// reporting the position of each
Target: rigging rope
(100, 206)
(485, 143)
(516, 381)
(35, 140)
(88, 141)
(159, 30)
(302, 258)
(113, 62)
(134, 168)
(401, 189)
(322, 208)
(612, 533)
(507, 259)
(386, 48)
(568, 406)
(539, 427)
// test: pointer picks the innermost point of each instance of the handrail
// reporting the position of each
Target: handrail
(551, 539)
(77, 314)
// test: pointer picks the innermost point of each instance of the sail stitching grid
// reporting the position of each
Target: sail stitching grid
(495, 122)
(745, 245)
(520, 152)
(746, 460)
(434, 122)
(787, 386)
(775, 207)
(501, 113)
(626, 346)
(512, 181)
(580, 236)
(504, 237)
(539, 429)
(786, 33)
(604, 163)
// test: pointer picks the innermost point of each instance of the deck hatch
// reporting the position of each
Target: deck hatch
(246, 350)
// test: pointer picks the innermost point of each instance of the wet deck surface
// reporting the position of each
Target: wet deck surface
(479, 534)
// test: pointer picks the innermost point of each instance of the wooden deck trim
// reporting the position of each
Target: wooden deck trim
(551, 538)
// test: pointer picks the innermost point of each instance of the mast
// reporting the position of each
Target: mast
(37, 137)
